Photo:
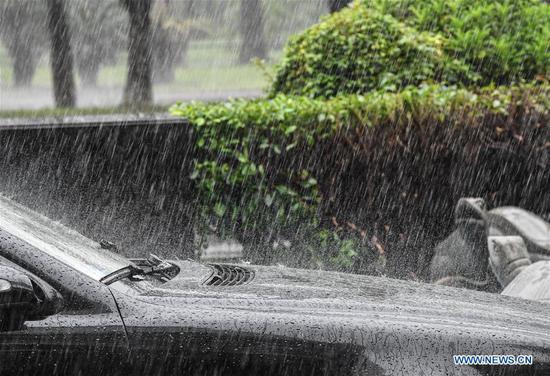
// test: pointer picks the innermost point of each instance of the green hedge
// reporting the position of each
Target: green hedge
(503, 40)
(341, 178)
(389, 44)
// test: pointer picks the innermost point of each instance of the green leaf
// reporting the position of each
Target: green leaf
(290, 130)
(219, 209)
(311, 182)
(291, 146)
(268, 199)
(242, 158)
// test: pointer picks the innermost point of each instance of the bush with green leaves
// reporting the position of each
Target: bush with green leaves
(250, 188)
(389, 44)
(340, 178)
(504, 40)
(360, 49)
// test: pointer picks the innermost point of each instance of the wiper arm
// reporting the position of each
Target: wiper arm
(156, 265)
(129, 271)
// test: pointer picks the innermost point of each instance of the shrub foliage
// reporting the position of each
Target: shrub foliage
(502, 40)
(344, 180)
(388, 44)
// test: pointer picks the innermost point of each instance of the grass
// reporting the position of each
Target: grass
(238, 77)
(210, 66)
(59, 112)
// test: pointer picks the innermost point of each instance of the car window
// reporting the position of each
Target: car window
(58, 241)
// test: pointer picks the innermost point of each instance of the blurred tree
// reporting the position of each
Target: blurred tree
(175, 24)
(23, 32)
(284, 18)
(252, 31)
(99, 32)
(61, 56)
(138, 91)
(336, 5)
(172, 27)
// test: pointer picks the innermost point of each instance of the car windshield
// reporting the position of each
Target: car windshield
(58, 241)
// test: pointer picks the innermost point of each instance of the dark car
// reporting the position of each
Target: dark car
(70, 306)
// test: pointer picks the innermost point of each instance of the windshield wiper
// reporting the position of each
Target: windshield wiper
(132, 272)
(153, 265)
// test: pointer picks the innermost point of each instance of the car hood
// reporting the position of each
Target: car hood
(410, 318)
(278, 288)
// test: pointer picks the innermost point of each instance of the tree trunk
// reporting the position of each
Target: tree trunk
(336, 5)
(138, 91)
(61, 55)
(24, 66)
(24, 61)
(165, 63)
(252, 31)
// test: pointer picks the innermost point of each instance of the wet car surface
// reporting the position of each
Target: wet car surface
(247, 319)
